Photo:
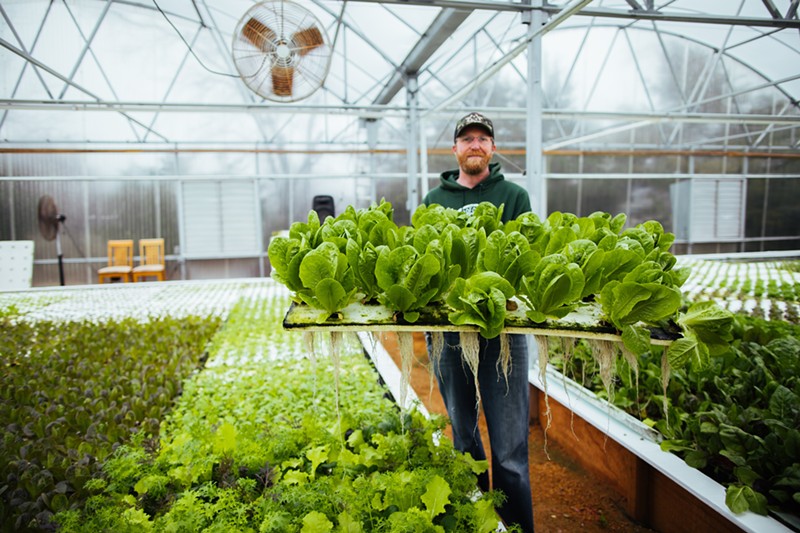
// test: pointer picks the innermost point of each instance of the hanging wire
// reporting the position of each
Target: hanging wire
(191, 51)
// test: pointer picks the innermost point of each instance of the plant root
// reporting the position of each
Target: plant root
(405, 341)
(336, 340)
(470, 351)
(308, 339)
(437, 346)
(605, 352)
(504, 360)
(568, 349)
(543, 350)
(665, 371)
(435, 355)
(633, 362)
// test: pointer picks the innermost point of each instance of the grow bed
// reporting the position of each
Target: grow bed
(626, 453)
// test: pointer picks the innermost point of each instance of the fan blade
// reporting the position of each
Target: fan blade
(258, 34)
(48, 217)
(282, 78)
(307, 40)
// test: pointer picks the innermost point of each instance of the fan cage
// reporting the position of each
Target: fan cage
(281, 51)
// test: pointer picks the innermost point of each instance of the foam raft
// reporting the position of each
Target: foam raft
(584, 322)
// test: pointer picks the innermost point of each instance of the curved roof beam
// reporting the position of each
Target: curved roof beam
(567, 11)
(789, 21)
(442, 27)
(53, 72)
(774, 83)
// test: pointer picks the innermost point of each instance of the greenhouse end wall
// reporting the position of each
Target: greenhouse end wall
(99, 209)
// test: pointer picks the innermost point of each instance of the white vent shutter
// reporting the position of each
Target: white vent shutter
(729, 209)
(201, 214)
(703, 212)
(220, 218)
(238, 218)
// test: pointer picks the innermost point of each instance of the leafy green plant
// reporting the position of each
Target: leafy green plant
(328, 280)
(480, 300)
(409, 280)
(268, 447)
(553, 289)
(735, 417)
(509, 255)
(71, 392)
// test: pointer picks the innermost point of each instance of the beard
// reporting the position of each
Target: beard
(473, 165)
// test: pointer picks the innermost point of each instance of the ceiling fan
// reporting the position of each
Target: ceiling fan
(281, 51)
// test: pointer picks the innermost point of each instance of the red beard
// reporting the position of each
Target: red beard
(473, 165)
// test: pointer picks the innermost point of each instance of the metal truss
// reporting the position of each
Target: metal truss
(378, 100)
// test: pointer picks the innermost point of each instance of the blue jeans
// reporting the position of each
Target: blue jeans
(507, 412)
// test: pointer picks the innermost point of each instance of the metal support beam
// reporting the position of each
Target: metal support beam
(370, 113)
(412, 129)
(792, 11)
(442, 27)
(63, 78)
(635, 5)
(773, 11)
(570, 9)
(649, 14)
(536, 184)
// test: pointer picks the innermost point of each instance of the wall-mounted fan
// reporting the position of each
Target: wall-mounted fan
(281, 51)
(50, 221)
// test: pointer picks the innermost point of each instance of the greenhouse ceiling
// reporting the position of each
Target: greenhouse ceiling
(382, 75)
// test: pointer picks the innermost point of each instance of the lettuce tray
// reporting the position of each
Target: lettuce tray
(584, 322)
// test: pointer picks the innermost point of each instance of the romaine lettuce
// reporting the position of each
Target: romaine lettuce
(480, 301)
(553, 289)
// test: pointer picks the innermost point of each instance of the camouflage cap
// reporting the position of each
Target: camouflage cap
(474, 119)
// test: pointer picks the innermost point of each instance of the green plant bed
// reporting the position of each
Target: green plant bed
(290, 441)
(71, 392)
(736, 419)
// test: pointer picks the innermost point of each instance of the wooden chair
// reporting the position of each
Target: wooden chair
(151, 260)
(120, 261)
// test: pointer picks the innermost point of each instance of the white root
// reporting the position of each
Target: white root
(374, 340)
(308, 338)
(568, 349)
(470, 351)
(604, 352)
(665, 371)
(543, 349)
(405, 341)
(437, 346)
(336, 344)
(504, 360)
(633, 362)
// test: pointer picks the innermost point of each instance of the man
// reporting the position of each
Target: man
(505, 405)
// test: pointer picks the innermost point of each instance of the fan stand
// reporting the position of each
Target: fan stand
(60, 220)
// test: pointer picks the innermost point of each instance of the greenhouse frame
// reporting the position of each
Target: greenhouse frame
(133, 117)
(225, 294)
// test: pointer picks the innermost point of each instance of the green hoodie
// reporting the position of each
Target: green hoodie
(494, 189)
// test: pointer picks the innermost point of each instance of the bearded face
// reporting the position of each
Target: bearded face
(473, 161)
